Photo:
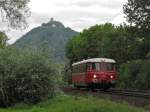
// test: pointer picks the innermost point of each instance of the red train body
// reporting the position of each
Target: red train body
(94, 73)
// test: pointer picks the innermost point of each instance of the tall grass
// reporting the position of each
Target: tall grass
(74, 104)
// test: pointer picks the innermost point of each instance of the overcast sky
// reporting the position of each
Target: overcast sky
(76, 14)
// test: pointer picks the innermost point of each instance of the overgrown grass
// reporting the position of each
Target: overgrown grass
(74, 104)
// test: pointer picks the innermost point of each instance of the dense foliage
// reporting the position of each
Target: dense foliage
(135, 75)
(25, 77)
(14, 12)
(105, 41)
(138, 13)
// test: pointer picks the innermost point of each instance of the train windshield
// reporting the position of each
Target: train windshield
(110, 66)
(103, 66)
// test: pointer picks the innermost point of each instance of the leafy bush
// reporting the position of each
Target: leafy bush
(25, 77)
(135, 75)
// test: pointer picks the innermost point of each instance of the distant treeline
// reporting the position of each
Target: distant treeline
(108, 40)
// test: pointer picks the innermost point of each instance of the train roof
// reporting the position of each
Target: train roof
(95, 60)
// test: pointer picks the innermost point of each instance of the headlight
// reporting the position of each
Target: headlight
(111, 76)
(94, 76)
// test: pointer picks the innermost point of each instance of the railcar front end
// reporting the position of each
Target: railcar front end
(94, 73)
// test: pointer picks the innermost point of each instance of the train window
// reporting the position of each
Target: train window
(79, 68)
(89, 66)
(75, 69)
(96, 66)
(110, 66)
(84, 68)
(93, 66)
(103, 66)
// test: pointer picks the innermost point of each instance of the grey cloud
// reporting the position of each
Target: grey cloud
(86, 15)
(114, 4)
(37, 18)
(109, 4)
(14, 35)
(71, 18)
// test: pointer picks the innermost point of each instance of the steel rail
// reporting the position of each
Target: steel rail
(125, 92)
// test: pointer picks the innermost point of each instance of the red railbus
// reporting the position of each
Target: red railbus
(94, 73)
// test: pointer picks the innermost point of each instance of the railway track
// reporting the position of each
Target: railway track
(131, 93)
(133, 97)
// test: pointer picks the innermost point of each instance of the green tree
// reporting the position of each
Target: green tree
(103, 41)
(138, 15)
(134, 75)
(3, 39)
(15, 12)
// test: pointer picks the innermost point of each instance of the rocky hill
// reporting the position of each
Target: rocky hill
(51, 36)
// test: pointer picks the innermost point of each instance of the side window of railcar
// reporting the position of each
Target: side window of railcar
(89, 66)
(79, 68)
(82, 68)
(75, 69)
